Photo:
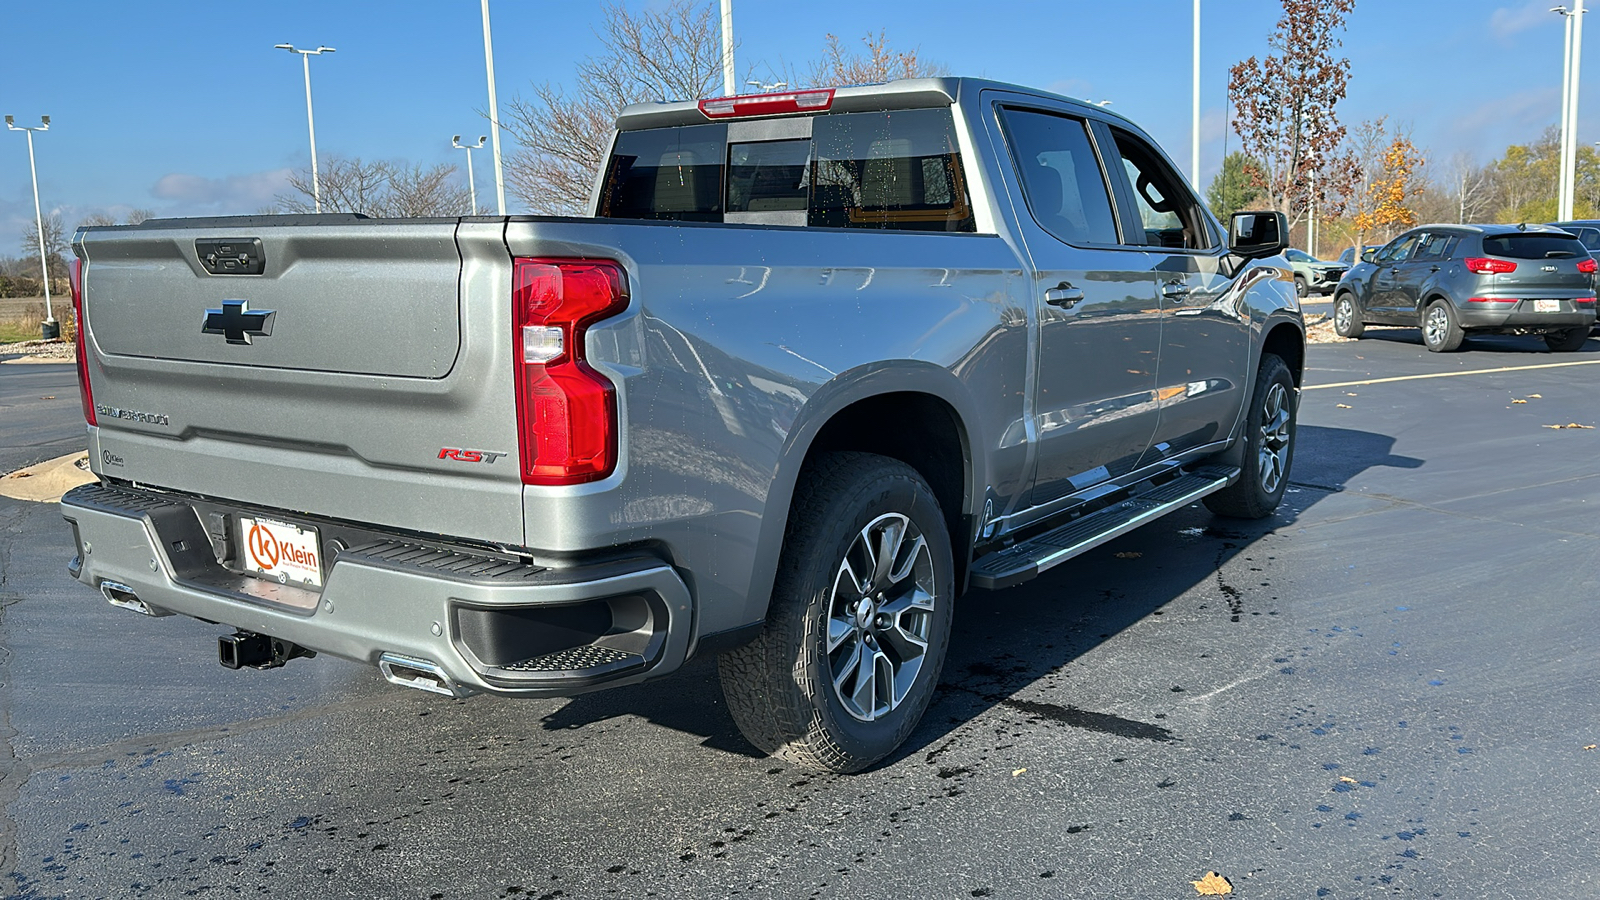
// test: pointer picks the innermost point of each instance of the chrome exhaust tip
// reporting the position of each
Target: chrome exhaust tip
(421, 674)
(119, 594)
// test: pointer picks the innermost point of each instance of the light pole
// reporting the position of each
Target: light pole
(494, 114)
(767, 87)
(727, 49)
(1571, 57)
(51, 327)
(311, 123)
(472, 188)
(1194, 120)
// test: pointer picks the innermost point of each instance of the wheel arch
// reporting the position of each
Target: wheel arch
(919, 414)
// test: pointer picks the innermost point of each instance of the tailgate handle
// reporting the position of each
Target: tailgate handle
(231, 256)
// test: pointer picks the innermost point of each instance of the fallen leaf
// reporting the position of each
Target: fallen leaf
(1016, 772)
(1129, 554)
(1571, 425)
(1589, 747)
(1343, 405)
(1348, 780)
(1348, 394)
(1535, 396)
(21, 474)
(51, 397)
(1213, 885)
(1519, 401)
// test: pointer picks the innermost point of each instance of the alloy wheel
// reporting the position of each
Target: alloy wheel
(879, 616)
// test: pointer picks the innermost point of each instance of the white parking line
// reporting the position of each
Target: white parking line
(1560, 365)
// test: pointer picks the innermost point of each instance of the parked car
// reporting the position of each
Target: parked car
(1587, 231)
(1455, 280)
(820, 362)
(1312, 275)
(1348, 257)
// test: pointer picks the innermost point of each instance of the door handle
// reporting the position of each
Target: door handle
(1175, 290)
(1063, 295)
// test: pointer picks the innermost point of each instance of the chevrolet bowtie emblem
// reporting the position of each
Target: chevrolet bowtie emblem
(236, 321)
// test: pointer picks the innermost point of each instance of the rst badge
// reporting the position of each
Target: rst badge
(487, 457)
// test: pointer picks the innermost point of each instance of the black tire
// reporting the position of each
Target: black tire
(780, 687)
(1346, 318)
(1441, 331)
(1569, 341)
(1300, 288)
(1270, 427)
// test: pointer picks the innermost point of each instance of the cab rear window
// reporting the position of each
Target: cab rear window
(896, 170)
(1534, 246)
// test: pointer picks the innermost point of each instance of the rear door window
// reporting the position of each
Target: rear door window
(1534, 246)
(1062, 182)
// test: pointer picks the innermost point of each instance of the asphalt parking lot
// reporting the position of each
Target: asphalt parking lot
(1385, 690)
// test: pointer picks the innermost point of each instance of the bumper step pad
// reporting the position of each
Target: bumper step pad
(1025, 561)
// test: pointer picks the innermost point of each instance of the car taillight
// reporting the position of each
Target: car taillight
(1587, 266)
(566, 412)
(75, 278)
(1583, 301)
(1484, 265)
(767, 104)
(1493, 300)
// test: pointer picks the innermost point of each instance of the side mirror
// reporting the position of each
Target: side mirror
(1369, 255)
(1255, 235)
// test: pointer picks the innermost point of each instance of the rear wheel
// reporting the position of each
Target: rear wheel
(1569, 341)
(1441, 333)
(1346, 319)
(1300, 289)
(858, 623)
(1269, 446)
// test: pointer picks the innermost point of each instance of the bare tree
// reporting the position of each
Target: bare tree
(135, 216)
(1469, 185)
(1286, 103)
(839, 66)
(95, 219)
(55, 245)
(1364, 155)
(378, 188)
(669, 51)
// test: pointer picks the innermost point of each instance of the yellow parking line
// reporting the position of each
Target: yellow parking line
(1560, 365)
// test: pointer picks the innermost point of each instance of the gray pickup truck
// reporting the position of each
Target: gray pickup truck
(820, 363)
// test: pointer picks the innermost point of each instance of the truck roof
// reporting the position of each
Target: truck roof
(904, 93)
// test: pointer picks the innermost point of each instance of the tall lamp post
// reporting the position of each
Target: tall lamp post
(1194, 120)
(494, 114)
(1571, 57)
(472, 187)
(51, 328)
(311, 123)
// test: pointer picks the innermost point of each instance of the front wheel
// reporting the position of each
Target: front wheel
(1300, 288)
(1346, 318)
(1269, 446)
(858, 623)
(1441, 333)
(1569, 341)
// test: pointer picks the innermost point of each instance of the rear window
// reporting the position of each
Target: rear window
(1534, 246)
(897, 170)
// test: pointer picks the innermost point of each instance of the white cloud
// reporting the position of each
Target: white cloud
(230, 194)
(1508, 20)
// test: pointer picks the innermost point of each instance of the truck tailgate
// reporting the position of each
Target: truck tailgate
(328, 383)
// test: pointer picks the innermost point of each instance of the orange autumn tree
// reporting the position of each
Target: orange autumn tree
(1390, 192)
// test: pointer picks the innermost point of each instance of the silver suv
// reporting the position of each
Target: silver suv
(1452, 280)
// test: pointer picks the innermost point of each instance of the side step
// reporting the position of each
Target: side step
(1025, 561)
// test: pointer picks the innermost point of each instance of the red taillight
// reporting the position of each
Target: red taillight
(1484, 265)
(75, 276)
(566, 411)
(1587, 266)
(767, 104)
(1583, 301)
(1494, 300)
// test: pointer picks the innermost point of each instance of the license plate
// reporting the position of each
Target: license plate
(1547, 306)
(278, 551)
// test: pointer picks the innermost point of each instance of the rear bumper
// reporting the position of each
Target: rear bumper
(484, 623)
(1481, 315)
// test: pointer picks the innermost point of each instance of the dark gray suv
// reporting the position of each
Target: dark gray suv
(1452, 280)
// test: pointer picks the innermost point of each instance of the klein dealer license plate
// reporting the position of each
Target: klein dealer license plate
(278, 551)
(1547, 306)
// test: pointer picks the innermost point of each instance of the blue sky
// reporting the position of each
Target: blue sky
(186, 108)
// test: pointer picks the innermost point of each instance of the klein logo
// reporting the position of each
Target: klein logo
(487, 457)
(267, 551)
(110, 459)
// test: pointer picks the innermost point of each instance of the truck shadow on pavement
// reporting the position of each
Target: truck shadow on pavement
(1007, 643)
